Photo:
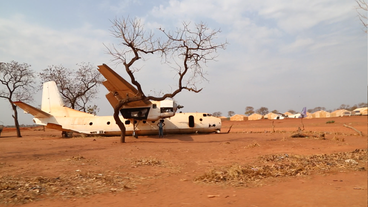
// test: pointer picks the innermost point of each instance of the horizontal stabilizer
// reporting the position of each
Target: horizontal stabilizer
(37, 113)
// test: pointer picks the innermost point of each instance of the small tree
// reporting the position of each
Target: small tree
(249, 110)
(263, 110)
(77, 88)
(292, 111)
(344, 106)
(362, 105)
(188, 47)
(217, 114)
(275, 112)
(19, 81)
(230, 113)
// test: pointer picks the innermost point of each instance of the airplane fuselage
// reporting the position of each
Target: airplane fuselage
(105, 125)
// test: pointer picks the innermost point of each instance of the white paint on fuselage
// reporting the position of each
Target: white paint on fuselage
(105, 125)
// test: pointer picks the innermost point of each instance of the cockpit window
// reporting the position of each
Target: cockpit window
(167, 109)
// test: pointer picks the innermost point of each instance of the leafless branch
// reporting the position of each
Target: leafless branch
(193, 46)
(77, 88)
(363, 5)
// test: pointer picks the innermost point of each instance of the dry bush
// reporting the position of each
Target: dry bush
(335, 138)
(147, 161)
(284, 165)
(252, 145)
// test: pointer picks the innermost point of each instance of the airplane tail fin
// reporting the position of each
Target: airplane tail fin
(53, 104)
(51, 99)
(304, 112)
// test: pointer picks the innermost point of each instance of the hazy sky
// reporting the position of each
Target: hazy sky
(281, 54)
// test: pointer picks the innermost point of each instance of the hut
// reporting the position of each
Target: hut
(273, 116)
(298, 115)
(255, 117)
(239, 117)
(288, 114)
(309, 116)
(361, 111)
(321, 114)
(339, 113)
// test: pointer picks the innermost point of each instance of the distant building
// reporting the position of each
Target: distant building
(340, 113)
(321, 114)
(361, 111)
(273, 116)
(287, 114)
(255, 117)
(239, 117)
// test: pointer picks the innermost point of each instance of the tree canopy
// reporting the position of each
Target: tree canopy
(18, 81)
(77, 87)
(189, 48)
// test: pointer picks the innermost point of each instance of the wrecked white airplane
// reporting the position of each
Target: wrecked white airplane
(137, 118)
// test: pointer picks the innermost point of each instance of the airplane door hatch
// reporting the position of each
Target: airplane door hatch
(191, 121)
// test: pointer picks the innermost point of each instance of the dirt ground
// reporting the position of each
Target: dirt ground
(328, 167)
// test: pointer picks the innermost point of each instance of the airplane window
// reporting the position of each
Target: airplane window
(108, 123)
(90, 123)
(127, 122)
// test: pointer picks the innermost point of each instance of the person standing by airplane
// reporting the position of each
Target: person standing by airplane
(161, 125)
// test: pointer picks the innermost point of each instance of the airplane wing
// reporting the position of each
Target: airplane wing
(37, 113)
(118, 86)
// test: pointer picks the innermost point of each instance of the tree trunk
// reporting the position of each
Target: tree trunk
(15, 117)
(119, 122)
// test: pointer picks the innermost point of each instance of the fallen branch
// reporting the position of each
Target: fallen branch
(360, 133)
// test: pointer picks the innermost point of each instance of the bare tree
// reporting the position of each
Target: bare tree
(19, 81)
(315, 109)
(188, 47)
(77, 88)
(249, 110)
(262, 110)
(363, 5)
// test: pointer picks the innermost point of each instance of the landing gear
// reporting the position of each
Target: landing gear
(66, 134)
(135, 124)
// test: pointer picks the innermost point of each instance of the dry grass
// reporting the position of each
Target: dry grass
(18, 190)
(284, 165)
